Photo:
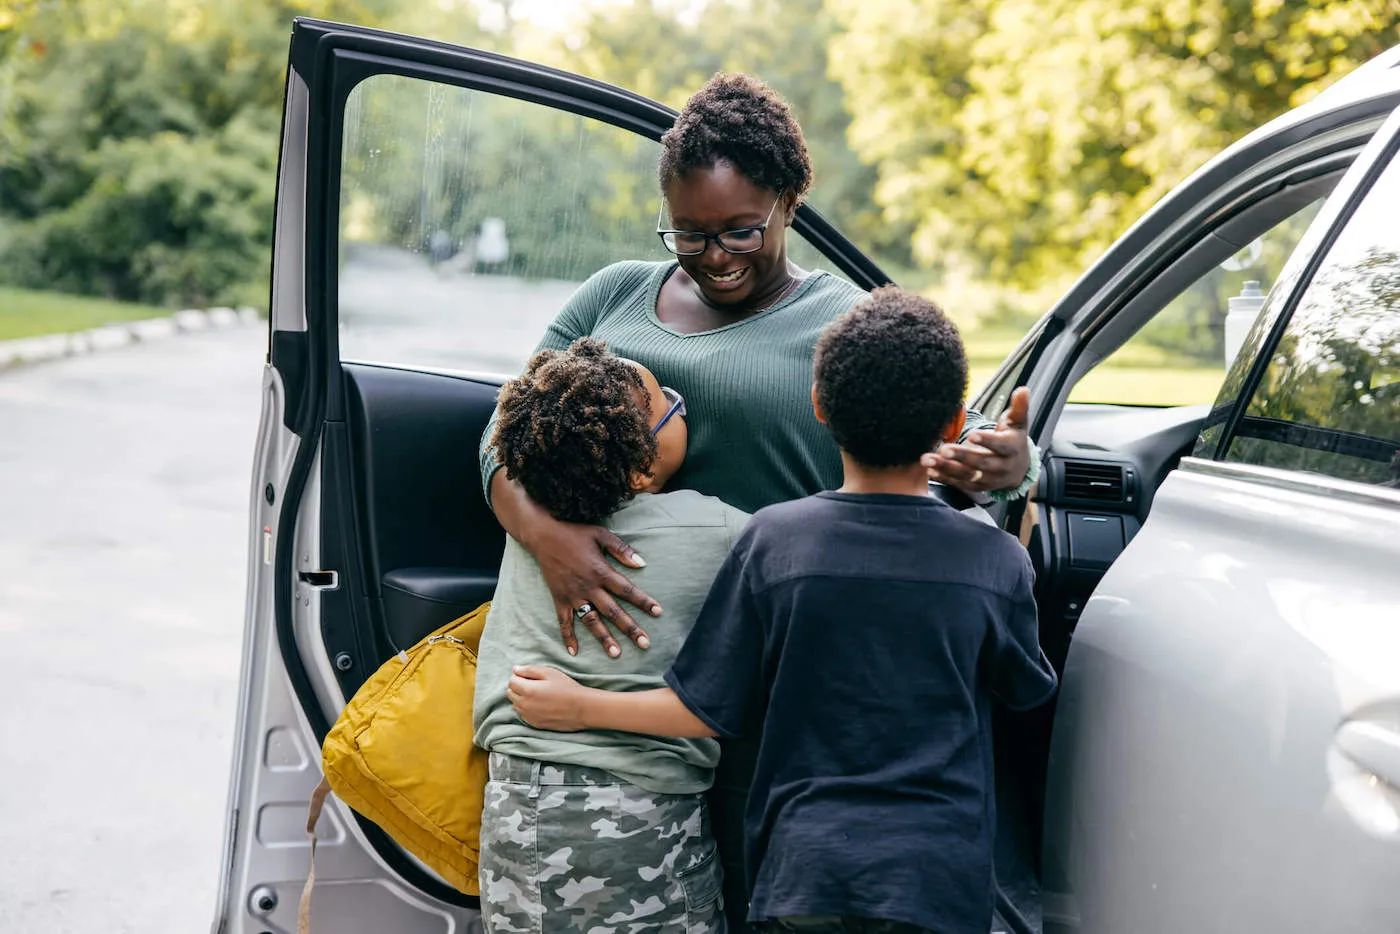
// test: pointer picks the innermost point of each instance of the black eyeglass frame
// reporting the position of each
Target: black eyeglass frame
(664, 232)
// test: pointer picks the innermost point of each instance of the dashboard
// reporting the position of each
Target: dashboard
(1099, 475)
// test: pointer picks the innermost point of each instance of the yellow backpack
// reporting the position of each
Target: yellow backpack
(401, 754)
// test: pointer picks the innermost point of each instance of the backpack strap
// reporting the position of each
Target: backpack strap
(313, 814)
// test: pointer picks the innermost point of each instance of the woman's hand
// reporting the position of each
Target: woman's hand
(573, 559)
(987, 460)
(546, 698)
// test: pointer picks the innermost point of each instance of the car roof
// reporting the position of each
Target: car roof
(1370, 80)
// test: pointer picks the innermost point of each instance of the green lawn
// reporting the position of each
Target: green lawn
(1135, 375)
(25, 313)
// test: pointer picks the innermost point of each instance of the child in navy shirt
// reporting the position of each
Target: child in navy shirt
(862, 633)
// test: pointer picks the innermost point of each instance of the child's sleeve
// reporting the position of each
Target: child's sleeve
(718, 673)
(1021, 675)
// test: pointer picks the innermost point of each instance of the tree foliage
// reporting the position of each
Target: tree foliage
(646, 47)
(1009, 138)
(138, 145)
(1022, 136)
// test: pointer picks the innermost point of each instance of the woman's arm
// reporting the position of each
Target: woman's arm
(548, 699)
(572, 558)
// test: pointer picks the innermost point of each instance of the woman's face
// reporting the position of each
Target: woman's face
(720, 198)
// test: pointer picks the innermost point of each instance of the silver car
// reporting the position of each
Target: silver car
(1220, 583)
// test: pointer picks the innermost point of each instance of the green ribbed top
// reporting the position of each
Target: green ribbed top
(747, 386)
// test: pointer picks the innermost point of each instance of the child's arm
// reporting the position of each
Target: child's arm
(548, 699)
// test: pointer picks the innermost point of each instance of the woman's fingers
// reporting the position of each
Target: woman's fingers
(620, 584)
(565, 614)
(950, 468)
(593, 622)
(619, 549)
(1018, 410)
(613, 612)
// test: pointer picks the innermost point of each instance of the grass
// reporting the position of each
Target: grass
(1136, 375)
(26, 313)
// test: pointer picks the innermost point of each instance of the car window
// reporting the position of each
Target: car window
(468, 218)
(1329, 401)
(1180, 357)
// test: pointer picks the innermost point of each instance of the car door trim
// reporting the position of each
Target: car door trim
(1296, 482)
(1380, 161)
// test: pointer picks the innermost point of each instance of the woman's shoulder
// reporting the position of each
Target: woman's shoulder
(629, 274)
(828, 289)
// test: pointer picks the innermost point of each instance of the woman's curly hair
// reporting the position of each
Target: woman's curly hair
(891, 374)
(742, 120)
(574, 429)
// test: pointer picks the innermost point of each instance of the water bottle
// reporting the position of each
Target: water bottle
(1244, 308)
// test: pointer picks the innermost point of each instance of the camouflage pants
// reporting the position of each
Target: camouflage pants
(567, 848)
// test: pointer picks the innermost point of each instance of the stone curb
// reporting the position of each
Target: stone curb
(29, 350)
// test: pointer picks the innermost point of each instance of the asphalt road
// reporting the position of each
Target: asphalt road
(124, 478)
(124, 484)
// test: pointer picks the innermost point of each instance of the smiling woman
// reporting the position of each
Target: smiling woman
(731, 323)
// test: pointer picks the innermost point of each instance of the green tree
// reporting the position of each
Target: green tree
(138, 145)
(652, 49)
(1019, 137)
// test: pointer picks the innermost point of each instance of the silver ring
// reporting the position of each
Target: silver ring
(977, 477)
(582, 610)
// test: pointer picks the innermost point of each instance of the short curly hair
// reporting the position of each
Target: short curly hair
(745, 122)
(574, 429)
(890, 374)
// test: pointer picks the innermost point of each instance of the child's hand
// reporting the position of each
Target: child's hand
(546, 698)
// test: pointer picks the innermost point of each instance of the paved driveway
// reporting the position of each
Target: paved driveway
(123, 491)
(124, 483)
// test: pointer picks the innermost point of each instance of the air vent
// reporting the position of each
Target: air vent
(1091, 480)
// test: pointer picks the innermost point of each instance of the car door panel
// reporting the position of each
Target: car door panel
(430, 543)
(1191, 783)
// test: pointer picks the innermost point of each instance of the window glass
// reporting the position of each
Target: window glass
(1329, 401)
(1181, 355)
(995, 398)
(467, 219)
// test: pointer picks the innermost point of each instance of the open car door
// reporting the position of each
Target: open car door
(435, 207)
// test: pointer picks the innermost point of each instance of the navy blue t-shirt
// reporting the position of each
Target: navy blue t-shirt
(865, 636)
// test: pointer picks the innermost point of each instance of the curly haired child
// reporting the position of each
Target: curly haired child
(598, 828)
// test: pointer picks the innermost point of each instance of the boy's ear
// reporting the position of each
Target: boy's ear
(817, 406)
(790, 204)
(955, 427)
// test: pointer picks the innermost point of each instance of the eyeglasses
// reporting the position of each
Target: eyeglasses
(677, 407)
(694, 242)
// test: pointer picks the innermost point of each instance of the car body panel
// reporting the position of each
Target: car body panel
(1196, 778)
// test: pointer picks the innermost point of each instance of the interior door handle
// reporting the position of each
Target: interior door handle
(1374, 747)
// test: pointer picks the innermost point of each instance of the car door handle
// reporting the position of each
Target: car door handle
(1374, 747)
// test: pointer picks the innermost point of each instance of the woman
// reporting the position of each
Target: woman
(731, 324)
